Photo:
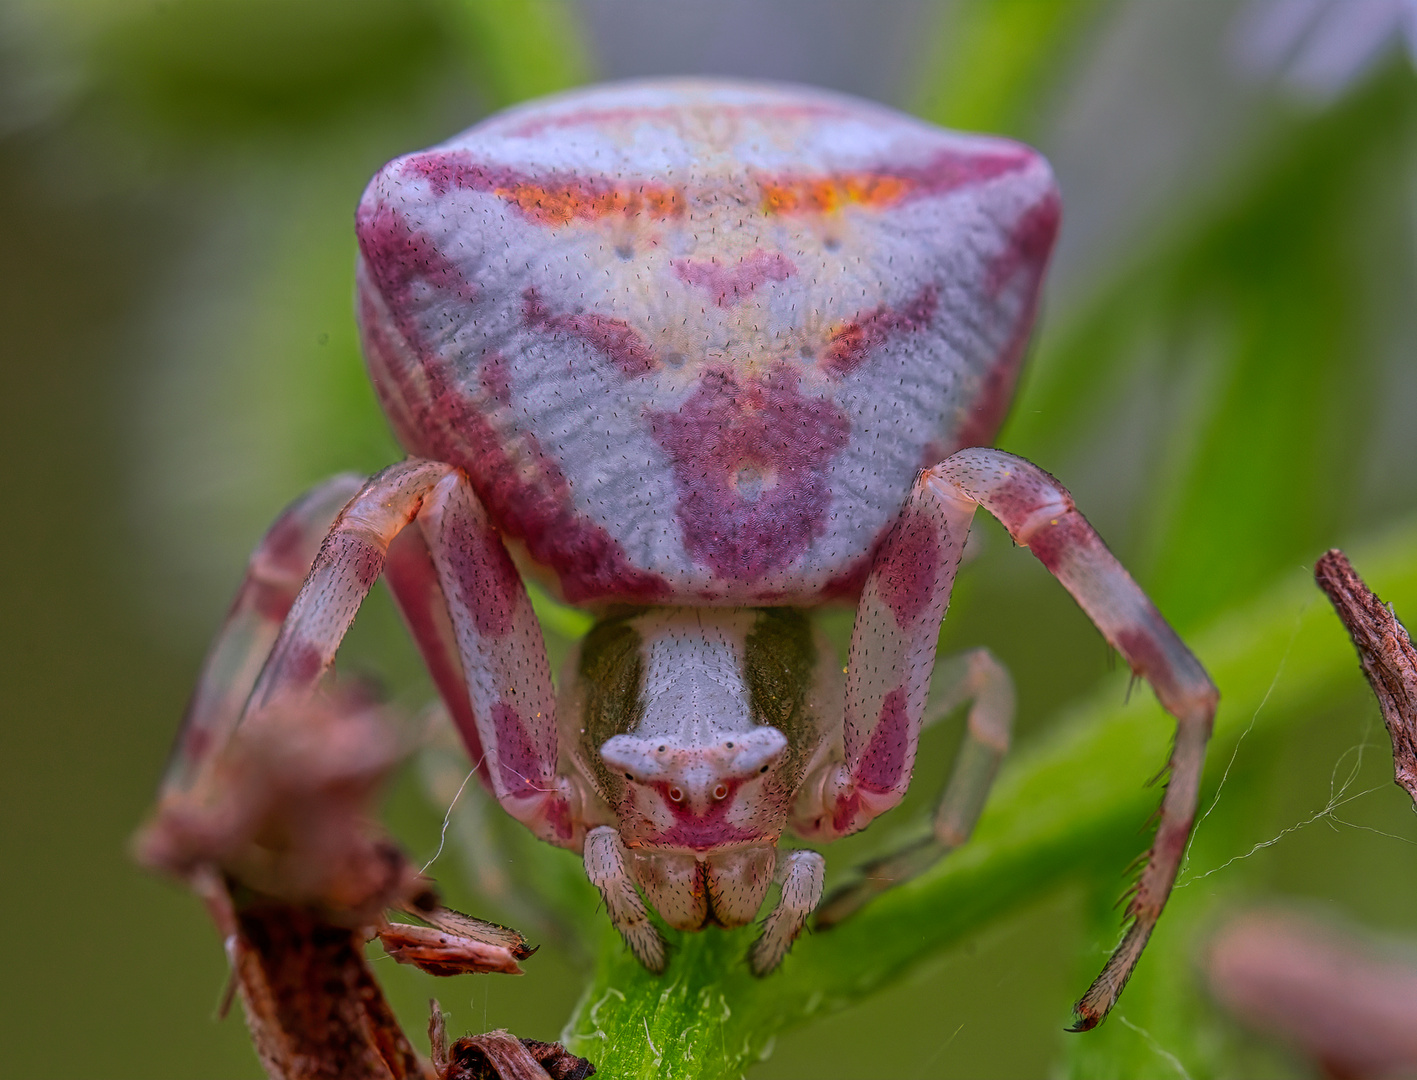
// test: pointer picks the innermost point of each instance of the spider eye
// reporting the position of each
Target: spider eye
(629, 776)
(676, 794)
(721, 791)
(763, 769)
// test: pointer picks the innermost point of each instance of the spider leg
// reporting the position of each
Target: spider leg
(1038, 512)
(893, 645)
(274, 572)
(412, 579)
(976, 677)
(605, 864)
(801, 874)
(469, 613)
(506, 671)
(350, 560)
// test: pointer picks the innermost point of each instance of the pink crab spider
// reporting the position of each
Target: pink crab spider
(701, 356)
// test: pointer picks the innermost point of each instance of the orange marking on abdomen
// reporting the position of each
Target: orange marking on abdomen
(826, 194)
(560, 204)
(876, 189)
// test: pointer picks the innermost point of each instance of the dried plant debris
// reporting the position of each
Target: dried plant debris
(498, 1055)
(282, 808)
(1341, 1000)
(274, 833)
(281, 811)
(440, 953)
(312, 1005)
(1385, 651)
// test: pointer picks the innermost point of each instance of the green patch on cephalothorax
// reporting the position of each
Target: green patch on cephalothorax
(780, 660)
(612, 677)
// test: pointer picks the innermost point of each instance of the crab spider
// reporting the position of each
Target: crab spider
(701, 356)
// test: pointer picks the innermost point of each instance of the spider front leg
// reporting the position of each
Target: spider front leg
(607, 866)
(274, 574)
(470, 615)
(976, 677)
(893, 645)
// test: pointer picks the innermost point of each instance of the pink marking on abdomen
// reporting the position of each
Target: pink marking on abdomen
(995, 395)
(851, 344)
(885, 186)
(553, 199)
(398, 254)
(729, 285)
(615, 338)
(908, 564)
(524, 491)
(496, 376)
(750, 463)
(950, 170)
(882, 765)
(847, 584)
(1030, 244)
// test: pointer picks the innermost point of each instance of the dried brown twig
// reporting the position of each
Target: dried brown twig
(274, 833)
(499, 1055)
(1385, 651)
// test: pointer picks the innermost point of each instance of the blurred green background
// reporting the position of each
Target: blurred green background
(1223, 378)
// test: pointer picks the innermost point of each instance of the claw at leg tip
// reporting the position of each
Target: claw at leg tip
(1083, 1021)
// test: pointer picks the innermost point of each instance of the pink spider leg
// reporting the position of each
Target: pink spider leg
(978, 678)
(504, 704)
(349, 562)
(274, 572)
(893, 644)
(413, 580)
(315, 530)
(508, 675)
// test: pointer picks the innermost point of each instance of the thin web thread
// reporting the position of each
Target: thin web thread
(447, 817)
(1235, 753)
(1161, 1051)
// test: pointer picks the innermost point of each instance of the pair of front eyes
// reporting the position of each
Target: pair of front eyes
(676, 793)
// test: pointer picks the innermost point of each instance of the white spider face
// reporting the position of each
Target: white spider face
(697, 724)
